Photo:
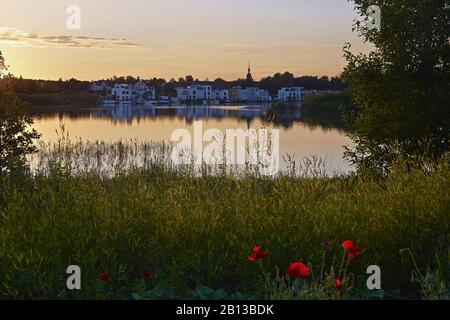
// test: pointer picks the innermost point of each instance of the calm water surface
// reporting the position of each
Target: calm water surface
(298, 138)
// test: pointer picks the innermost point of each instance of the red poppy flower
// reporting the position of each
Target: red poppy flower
(298, 270)
(352, 249)
(258, 254)
(338, 284)
(354, 252)
(349, 245)
(105, 277)
(147, 274)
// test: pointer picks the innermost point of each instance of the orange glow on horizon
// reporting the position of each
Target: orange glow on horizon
(169, 39)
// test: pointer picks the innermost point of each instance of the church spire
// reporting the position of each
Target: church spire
(249, 75)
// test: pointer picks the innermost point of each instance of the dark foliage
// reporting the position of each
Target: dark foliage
(402, 87)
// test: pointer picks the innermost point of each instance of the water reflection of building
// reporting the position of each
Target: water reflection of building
(201, 112)
(128, 113)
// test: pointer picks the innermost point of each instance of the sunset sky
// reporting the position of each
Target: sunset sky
(174, 38)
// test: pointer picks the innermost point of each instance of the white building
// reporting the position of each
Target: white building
(194, 93)
(262, 95)
(221, 95)
(98, 86)
(138, 93)
(164, 100)
(291, 94)
(122, 92)
(141, 92)
(251, 94)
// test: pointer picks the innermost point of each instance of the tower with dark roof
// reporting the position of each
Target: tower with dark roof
(249, 75)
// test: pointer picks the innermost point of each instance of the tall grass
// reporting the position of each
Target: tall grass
(192, 229)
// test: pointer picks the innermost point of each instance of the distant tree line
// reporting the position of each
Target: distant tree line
(30, 86)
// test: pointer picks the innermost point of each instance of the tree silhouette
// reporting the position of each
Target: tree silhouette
(16, 137)
(402, 87)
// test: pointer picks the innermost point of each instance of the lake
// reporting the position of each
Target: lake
(298, 138)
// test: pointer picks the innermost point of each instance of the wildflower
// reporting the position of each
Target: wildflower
(349, 245)
(258, 254)
(326, 245)
(105, 277)
(338, 284)
(352, 249)
(355, 252)
(298, 270)
(146, 274)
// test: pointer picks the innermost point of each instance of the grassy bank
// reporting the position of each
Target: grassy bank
(190, 230)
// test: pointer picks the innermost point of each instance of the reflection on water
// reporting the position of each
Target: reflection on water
(297, 138)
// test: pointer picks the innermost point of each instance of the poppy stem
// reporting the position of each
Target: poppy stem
(266, 276)
(312, 272)
(342, 264)
(271, 287)
(262, 269)
(323, 265)
(346, 267)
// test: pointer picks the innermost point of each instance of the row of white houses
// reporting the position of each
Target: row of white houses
(140, 93)
(237, 94)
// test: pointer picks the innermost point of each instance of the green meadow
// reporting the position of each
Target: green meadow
(91, 205)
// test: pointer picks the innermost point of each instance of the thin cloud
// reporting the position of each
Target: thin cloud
(14, 37)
